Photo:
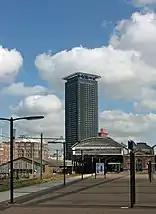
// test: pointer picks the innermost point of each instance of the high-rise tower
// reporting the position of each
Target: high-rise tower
(81, 108)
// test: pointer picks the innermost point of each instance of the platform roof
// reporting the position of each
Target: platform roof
(97, 142)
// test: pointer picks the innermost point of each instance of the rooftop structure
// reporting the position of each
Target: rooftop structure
(82, 75)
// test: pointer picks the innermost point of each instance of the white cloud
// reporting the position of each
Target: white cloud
(120, 125)
(143, 2)
(128, 69)
(19, 89)
(127, 123)
(38, 104)
(127, 65)
(145, 105)
(118, 69)
(125, 126)
(139, 34)
(49, 106)
(10, 63)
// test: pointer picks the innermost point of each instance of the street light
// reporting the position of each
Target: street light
(64, 157)
(11, 120)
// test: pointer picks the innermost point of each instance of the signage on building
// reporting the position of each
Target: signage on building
(100, 168)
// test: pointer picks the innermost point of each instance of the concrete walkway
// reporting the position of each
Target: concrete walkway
(108, 195)
(100, 192)
(4, 196)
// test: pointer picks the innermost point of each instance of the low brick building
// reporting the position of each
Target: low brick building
(4, 152)
(143, 154)
(28, 148)
(26, 167)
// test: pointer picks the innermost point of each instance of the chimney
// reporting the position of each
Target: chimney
(103, 132)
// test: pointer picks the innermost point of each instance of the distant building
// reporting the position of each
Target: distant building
(26, 168)
(143, 154)
(4, 152)
(81, 108)
(28, 148)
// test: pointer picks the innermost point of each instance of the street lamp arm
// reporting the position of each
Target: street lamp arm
(22, 118)
(29, 118)
(3, 118)
(19, 118)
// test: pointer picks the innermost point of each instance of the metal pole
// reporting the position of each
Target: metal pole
(105, 168)
(11, 161)
(32, 151)
(92, 166)
(150, 171)
(82, 164)
(132, 178)
(64, 164)
(134, 192)
(57, 154)
(41, 165)
(95, 166)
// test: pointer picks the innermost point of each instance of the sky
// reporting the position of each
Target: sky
(43, 41)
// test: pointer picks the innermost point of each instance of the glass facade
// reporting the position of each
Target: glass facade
(81, 109)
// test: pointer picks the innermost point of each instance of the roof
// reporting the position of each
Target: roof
(24, 140)
(54, 162)
(49, 162)
(24, 158)
(98, 142)
(28, 140)
(143, 147)
(92, 76)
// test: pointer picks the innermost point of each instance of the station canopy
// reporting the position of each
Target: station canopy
(98, 146)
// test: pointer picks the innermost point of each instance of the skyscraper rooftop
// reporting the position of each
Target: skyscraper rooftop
(82, 75)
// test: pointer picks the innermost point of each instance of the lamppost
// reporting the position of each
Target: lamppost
(64, 157)
(131, 146)
(11, 121)
(82, 164)
(41, 157)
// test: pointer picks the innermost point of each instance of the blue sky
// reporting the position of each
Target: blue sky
(38, 26)
(123, 58)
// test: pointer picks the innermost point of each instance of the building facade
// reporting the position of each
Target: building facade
(4, 152)
(115, 156)
(26, 168)
(28, 148)
(81, 108)
(143, 154)
(98, 150)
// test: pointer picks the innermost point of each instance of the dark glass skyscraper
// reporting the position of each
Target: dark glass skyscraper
(81, 108)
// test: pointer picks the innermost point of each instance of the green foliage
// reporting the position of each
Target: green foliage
(30, 182)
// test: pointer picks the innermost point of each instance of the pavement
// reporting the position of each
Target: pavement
(100, 195)
(19, 192)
